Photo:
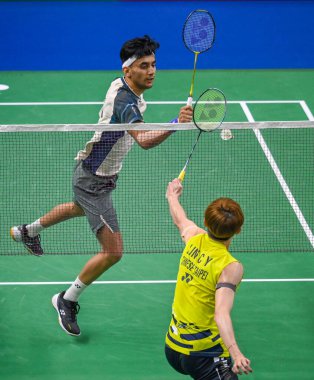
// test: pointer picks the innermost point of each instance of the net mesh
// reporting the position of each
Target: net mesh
(266, 167)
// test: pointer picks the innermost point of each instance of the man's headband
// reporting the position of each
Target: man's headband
(131, 60)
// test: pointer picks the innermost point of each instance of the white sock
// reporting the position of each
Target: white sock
(34, 228)
(75, 290)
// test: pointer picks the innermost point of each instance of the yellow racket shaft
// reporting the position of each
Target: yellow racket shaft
(190, 98)
(182, 175)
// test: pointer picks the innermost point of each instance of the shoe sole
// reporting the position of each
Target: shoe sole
(20, 241)
(12, 234)
(54, 301)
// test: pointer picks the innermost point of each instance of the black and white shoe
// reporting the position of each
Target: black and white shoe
(32, 244)
(67, 311)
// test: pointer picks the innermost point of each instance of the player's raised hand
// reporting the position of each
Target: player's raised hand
(186, 114)
(174, 188)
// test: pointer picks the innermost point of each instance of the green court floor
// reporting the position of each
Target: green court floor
(124, 317)
(124, 325)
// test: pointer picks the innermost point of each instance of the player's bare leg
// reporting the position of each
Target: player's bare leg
(66, 303)
(29, 234)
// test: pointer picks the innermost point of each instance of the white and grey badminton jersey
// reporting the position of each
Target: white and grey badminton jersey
(104, 153)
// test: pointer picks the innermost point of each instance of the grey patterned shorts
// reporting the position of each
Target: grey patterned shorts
(93, 194)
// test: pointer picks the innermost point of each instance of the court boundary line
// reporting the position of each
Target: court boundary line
(132, 282)
(306, 110)
(279, 176)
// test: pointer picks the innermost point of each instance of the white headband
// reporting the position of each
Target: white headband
(129, 61)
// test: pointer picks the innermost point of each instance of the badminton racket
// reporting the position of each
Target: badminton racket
(208, 114)
(198, 35)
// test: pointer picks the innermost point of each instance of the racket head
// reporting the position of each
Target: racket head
(210, 110)
(199, 31)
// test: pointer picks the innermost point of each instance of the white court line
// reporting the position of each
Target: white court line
(280, 177)
(148, 102)
(38, 283)
(306, 110)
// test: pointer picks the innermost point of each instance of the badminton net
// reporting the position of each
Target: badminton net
(267, 167)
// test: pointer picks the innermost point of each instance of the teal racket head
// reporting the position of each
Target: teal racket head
(210, 110)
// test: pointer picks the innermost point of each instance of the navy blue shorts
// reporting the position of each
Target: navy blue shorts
(201, 367)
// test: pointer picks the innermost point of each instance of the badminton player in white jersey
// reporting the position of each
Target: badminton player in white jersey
(96, 174)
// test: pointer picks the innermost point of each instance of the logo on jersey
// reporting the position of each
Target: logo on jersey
(187, 277)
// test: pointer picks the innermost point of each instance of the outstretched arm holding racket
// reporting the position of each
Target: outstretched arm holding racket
(150, 139)
(207, 281)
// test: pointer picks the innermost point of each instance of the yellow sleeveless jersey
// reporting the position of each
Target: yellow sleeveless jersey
(192, 330)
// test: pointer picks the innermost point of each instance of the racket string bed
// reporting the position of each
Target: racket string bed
(208, 114)
(198, 34)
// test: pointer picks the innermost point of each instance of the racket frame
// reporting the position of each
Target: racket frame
(184, 26)
(196, 53)
(183, 171)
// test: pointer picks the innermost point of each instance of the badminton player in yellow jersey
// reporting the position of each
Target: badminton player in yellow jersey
(200, 341)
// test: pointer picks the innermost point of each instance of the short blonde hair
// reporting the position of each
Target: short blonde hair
(224, 218)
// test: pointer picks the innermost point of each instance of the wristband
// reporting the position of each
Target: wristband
(174, 121)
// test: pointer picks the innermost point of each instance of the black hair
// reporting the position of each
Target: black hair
(140, 47)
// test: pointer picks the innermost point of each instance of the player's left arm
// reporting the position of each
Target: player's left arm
(225, 292)
(150, 139)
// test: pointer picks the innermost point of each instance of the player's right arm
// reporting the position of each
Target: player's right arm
(185, 114)
(186, 227)
(150, 139)
(230, 277)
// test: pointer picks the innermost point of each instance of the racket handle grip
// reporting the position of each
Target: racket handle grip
(189, 101)
(182, 175)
